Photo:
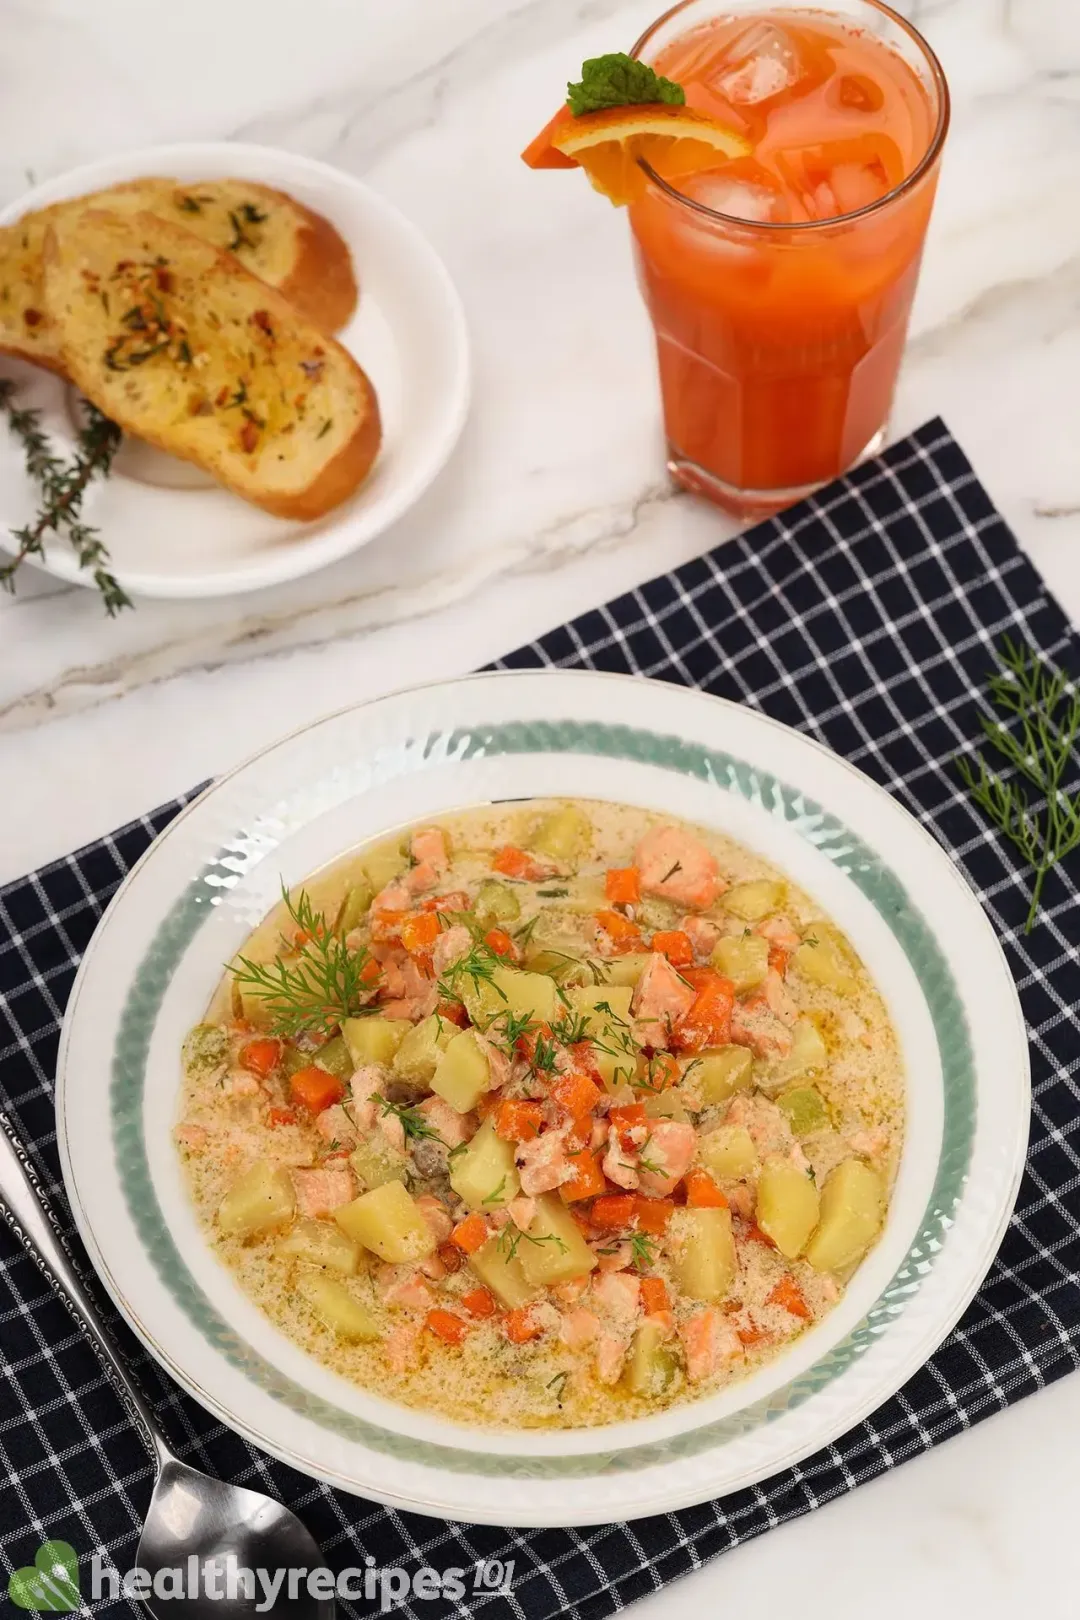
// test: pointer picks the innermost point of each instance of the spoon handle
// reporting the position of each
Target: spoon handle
(25, 1209)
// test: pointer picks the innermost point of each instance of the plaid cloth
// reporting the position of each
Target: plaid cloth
(865, 617)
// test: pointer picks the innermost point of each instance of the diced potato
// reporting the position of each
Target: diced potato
(387, 1221)
(824, 959)
(750, 902)
(335, 1058)
(805, 1109)
(652, 1363)
(787, 1206)
(598, 1004)
(497, 901)
(484, 1174)
(321, 1243)
(564, 835)
(566, 967)
(463, 1073)
(717, 1074)
(354, 904)
(622, 970)
(374, 1039)
(666, 1105)
(502, 1272)
(851, 1206)
(334, 1305)
(376, 1163)
(524, 994)
(259, 1200)
(553, 1249)
(808, 1056)
(656, 915)
(729, 1152)
(583, 897)
(703, 1253)
(421, 1048)
(742, 958)
(384, 863)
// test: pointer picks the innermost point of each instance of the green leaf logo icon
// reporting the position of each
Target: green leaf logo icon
(51, 1585)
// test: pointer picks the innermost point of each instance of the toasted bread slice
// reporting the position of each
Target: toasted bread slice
(180, 345)
(277, 238)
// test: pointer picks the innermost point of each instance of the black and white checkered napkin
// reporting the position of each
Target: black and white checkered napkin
(864, 617)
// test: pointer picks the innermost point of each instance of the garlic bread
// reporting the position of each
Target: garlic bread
(297, 251)
(181, 346)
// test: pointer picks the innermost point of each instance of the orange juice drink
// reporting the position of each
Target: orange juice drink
(780, 284)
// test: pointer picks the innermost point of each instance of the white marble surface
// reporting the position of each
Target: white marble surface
(555, 500)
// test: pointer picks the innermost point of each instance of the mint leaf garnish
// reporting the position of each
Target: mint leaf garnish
(618, 80)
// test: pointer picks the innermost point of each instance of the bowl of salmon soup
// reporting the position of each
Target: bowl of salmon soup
(433, 754)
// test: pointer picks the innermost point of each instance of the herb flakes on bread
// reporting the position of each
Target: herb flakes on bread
(181, 346)
(274, 236)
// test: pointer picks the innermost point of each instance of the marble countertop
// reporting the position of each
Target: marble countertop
(555, 500)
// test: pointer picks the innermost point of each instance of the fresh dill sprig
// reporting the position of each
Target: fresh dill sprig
(508, 1242)
(318, 988)
(413, 1123)
(478, 965)
(642, 1250)
(1038, 740)
(63, 484)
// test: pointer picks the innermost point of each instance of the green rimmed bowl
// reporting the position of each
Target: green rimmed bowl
(215, 871)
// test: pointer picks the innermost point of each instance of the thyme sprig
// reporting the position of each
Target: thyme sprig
(1037, 739)
(63, 484)
(315, 989)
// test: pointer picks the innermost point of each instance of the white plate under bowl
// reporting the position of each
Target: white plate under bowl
(215, 871)
(170, 531)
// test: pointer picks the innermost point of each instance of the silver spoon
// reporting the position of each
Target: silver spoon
(224, 1526)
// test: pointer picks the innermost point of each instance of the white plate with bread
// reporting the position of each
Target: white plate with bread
(284, 352)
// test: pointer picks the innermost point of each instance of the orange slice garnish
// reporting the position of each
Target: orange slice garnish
(610, 145)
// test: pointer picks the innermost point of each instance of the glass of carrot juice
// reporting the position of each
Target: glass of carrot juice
(780, 284)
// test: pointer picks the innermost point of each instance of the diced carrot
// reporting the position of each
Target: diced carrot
(454, 1013)
(420, 931)
(517, 863)
(675, 945)
(588, 1178)
(470, 1234)
(451, 1256)
(456, 900)
(282, 1116)
(517, 1121)
(708, 1021)
(778, 959)
(316, 1089)
(622, 885)
(520, 1326)
(370, 971)
(659, 1071)
(754, 1234)
(447, 1326)
(788, 1294)
(576, 1093)
(752, 1335)
(654, 1295)
(579, 1132)
(479, 1302)
(499, 941)
(622, 933)
(653, 1215)
(702, 1191)
(614, 1212)
(627, 1115)
(261, 1057)
(485, 1105)
(541, 153)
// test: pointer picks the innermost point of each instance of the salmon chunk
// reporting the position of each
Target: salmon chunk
(620, 1166)
(708, 1338)
(701, 933)
(428, 846)
(610, 1355)
(754, 1024)
(453, 1128)
(451, 945)
(617, 1294)
(660, 1000)
(666, 1156)
(320, 1192)
(334, 1125)
(677, 866)
(436, 1218)
(542, 1164)
(579, 1328)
